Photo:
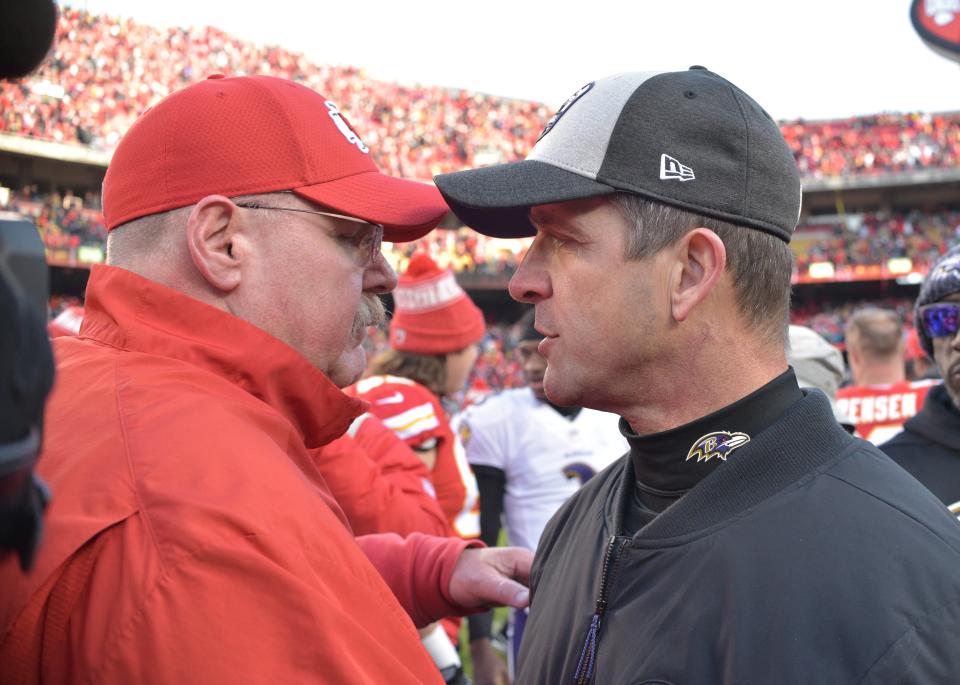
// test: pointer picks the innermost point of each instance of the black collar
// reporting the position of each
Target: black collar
(671, 462)
(805, 438)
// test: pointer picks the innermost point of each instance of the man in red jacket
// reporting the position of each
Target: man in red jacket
(191, 537)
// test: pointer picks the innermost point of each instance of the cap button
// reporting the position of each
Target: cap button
(213, 76)
(697, 66)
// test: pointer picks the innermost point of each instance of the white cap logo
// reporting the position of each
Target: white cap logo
(344, 127)
(672, 170)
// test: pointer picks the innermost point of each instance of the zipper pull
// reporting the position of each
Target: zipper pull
(588, 654)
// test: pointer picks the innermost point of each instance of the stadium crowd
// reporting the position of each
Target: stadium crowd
(106, 70)
(869, 239)
(66, 221)
(829, 319)
(871, 145)
(69, 221)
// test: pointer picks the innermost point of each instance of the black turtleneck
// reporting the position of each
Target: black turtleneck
(663, 471)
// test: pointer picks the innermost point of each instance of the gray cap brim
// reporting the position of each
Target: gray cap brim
(496, 200)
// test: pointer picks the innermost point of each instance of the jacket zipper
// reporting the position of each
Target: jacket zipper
(588, 654)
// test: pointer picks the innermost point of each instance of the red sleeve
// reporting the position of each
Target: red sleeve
(418, 569)
(446, 477)
(379, 482)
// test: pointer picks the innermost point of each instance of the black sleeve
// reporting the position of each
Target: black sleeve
(492, 484)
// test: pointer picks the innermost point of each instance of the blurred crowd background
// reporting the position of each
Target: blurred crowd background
(105, 71)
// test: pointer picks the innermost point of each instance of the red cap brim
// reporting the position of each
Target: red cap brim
(407, 209)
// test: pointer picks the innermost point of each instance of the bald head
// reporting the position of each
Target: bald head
(875, 346)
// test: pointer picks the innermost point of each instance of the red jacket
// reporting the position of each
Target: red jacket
(414, 413)
(379, 482)
(176, 447)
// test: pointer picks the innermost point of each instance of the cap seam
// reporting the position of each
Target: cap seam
(749, 151)
(295, 134)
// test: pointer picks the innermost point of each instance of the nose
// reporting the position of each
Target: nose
(379, 277)
(530, 283)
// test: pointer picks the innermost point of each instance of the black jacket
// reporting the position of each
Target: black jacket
(808, 557)
(929, 447)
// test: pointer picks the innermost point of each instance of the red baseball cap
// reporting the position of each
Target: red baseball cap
(247, 135)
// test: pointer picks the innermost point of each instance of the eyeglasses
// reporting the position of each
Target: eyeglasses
(941, 320)
(367, 242)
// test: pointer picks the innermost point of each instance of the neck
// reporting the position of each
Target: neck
(701, 385)
(881, 373)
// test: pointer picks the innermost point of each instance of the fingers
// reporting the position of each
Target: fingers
(510, 593)
(492, 577)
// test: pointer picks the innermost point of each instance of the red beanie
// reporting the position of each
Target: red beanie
(432, 313)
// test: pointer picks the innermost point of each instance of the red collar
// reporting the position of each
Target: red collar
(127, 311)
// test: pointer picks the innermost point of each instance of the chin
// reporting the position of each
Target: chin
(560, 396)
(348, 369)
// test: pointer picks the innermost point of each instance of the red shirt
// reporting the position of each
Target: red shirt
(878, 411)
(416, 416)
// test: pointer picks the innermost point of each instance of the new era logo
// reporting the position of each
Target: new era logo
(672, 170)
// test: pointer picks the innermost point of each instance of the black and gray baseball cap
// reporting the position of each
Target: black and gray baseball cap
(687, 138)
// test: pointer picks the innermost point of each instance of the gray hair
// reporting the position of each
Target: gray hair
(760, 264)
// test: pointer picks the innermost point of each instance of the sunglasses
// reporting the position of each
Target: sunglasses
(940, 320)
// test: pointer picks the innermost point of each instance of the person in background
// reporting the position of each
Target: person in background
(929, 446)
(434, 336)
(529, 455)
(880, 398)
(817, 364)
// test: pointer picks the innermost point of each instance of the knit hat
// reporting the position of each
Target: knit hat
(258, 134)
(942, 280)
(432, 313)
(690, 139)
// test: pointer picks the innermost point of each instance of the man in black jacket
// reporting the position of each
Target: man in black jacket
(746, 537)
(929, 446)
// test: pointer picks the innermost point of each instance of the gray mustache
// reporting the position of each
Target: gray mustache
(372, 312)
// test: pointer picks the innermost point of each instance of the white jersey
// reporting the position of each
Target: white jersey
(544, 455)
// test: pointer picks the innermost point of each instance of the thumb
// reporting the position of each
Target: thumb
(505, 591)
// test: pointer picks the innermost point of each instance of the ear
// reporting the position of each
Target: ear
(701, 260)
(212, 229)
